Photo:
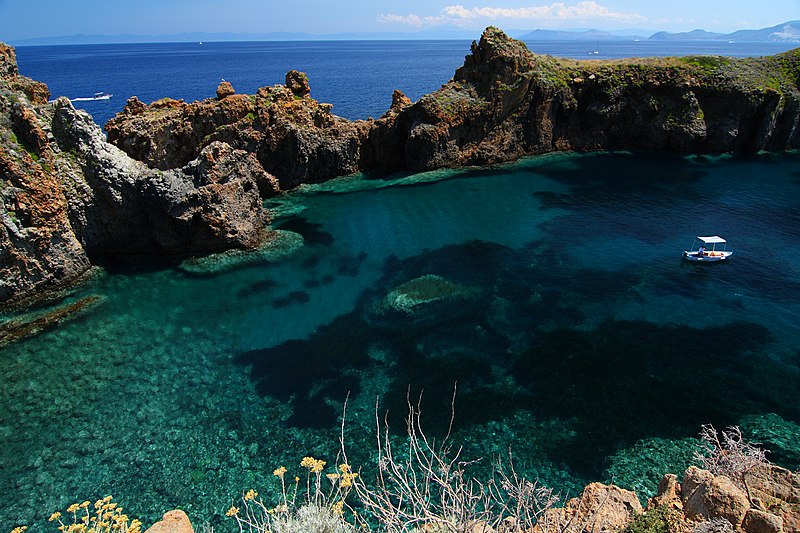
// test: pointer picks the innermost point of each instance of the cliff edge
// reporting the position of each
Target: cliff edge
(503, 103)
(68, 197)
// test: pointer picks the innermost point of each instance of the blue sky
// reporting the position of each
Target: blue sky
(21, 19)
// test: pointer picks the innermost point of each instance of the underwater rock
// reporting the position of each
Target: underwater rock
(423, 290)
(29, 325)
(279, 245)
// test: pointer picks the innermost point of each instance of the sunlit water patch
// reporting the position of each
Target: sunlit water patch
(550, 293)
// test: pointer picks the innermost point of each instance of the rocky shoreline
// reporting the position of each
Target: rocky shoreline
(175, 178)
(701, 502)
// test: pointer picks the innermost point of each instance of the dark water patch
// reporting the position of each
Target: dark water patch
(312, 233)
(626, 381)
(312, 371)
(311, 283)
(293, 298)
(311, 262)
(258, 287)
(350, 265)
(327, 279)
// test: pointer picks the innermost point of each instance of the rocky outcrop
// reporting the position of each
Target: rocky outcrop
(68, 197)
(503, 103)
(292, 136)
(706, 496)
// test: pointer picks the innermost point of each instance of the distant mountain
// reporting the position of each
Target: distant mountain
(786, 32)
(574, 35)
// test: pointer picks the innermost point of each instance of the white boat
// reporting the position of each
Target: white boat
(700, 252)
(102, 96)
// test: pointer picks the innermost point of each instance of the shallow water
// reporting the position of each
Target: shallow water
(556, 300)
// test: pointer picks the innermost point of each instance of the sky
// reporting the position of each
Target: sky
(23, 19)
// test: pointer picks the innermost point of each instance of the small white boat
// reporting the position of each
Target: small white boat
(102, 96)
(700, 252)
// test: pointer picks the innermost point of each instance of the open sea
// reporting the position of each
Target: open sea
(549, 294)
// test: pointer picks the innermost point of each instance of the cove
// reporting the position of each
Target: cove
(550, 290)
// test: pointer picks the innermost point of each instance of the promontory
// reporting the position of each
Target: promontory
(178, 178)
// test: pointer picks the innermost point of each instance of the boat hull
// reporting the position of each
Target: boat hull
(708, 257)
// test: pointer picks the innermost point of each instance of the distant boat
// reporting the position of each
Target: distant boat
(594, 52)
(97, 96)
(201, 42)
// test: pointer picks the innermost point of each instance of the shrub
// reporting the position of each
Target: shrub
(427, 487)
(318, 510)
(729, 455)
(658, 520)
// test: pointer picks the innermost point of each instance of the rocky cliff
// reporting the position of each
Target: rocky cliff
(68, 197)
(503, 103)
(177, 177)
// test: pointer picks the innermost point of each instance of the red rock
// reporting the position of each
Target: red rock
(706, 496)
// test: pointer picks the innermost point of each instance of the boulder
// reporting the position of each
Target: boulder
(600, 508)
(172, 522)
(224, 90)
(757, 521)
(297, 82)
(669, 493)
(706, 496)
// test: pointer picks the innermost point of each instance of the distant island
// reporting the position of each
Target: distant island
(785, 32)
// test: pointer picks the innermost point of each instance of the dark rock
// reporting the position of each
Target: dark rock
(756, 521)
(297, 82)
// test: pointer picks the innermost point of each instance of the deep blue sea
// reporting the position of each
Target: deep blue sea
(549, 293)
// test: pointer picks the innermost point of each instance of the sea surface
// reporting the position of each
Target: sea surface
(546, 301)
(357, 77)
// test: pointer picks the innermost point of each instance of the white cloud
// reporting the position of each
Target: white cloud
(557, 11)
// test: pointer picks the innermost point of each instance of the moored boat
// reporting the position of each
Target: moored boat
(699, 251)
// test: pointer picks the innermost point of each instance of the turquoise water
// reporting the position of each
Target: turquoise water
(560, 306)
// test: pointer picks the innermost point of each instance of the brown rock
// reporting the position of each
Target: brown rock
(774, 482)
(224, 90)
(669, 493)
(27, 128)
(134, 106)
(172, 522)
(399, 101)
(297, 82)
(8, 62)
(706, 496)
(601, 508)
(757, 521)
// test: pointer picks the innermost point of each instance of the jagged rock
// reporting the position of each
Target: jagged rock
(297, 82)
(601, 508)
(8, 62)
(779, 490)
(706, 496)
(669, 494)
(172, 522)
(134, 106)
(224, 90)
(757, 521)
(399, 101)
(27, 128)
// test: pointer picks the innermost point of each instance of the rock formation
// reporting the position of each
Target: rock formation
(68, 197)
(503, 103)
(177, 177)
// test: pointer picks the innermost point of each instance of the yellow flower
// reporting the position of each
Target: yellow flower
(84, 505)
(314, 465)
(233, 511)
(279, 472)
(73, 508)
(55, 516)
(19, 529)
(344, 468)
(296, 479)
(338, 508)
(332, 477)
(251, 495)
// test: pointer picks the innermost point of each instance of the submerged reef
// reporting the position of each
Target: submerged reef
(176, 178)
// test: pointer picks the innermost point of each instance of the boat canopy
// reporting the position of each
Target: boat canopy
(712, 240)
